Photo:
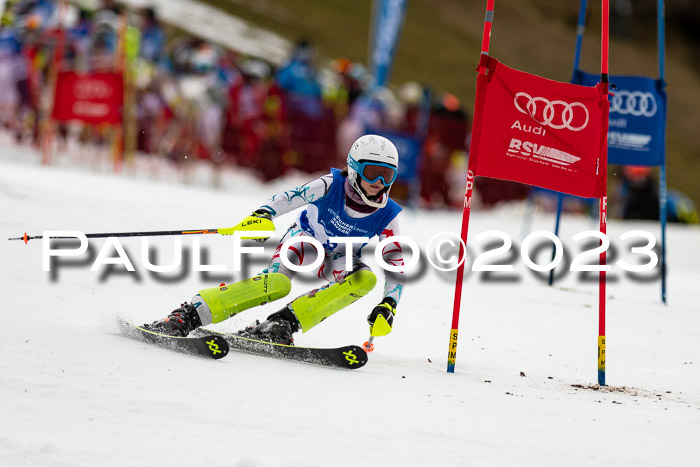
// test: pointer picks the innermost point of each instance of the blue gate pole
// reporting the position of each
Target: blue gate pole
(662, 214)
(580, 29)
(560, 202)
(662, 172)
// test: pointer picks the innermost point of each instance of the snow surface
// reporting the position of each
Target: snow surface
(74, 392)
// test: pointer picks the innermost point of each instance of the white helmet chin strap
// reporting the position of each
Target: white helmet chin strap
(374, 204)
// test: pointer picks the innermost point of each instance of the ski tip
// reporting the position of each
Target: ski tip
(354, 357)
(122, 323)
(217, 346)
(208, 345)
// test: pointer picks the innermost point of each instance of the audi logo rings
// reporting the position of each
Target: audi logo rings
(550, 110)
(635, 103)
(86, 89)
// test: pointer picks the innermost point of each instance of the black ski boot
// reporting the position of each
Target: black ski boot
(178, 323)
(278, 328)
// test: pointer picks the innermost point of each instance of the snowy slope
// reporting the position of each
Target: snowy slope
(73, 392)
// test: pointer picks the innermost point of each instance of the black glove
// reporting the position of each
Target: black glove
(262, 214)
(381, 318)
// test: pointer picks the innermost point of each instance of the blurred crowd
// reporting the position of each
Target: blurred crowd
(190, 99)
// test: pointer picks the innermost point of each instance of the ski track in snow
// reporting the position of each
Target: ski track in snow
(74, 392)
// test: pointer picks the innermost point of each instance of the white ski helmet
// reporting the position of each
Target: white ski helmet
(373, 158)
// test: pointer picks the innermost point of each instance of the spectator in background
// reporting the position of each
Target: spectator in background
(246, 111)
(276, 156)
(11, 70)
(28, 72)
(457, 174)
(103, 46)
(335, 92)
(357, 80)
(228, 72)
(42, 10)
(411, 94)
(621, 15)
(195, 100)
(9, 13)
(298, 77)
(638, 193)
(444, 148)
(348, 85)
(147, 67)
(368, 113)
(207, 101)
(311, 124)
(151, 116)
(639, 197)
(681, 209)
(152, 37)
(78, 41)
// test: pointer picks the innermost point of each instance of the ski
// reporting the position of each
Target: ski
(348, 357)
(209, 346)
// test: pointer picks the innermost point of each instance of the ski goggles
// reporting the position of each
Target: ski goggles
(372, 171)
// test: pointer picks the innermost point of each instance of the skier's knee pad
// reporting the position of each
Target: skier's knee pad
(228, 300)
(319, 304)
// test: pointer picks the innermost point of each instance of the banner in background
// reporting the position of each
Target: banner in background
(542, 132)
(91, 98)
(637, 119)
(388, 20)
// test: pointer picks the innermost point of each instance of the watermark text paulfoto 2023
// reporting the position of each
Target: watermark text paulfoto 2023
(445, 251)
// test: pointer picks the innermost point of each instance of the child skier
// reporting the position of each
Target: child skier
(350, 203)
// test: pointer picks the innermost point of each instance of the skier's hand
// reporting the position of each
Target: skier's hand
(252, 222)
(382, 317)
(260, 214)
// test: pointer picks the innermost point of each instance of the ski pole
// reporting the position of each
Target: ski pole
(249, 225)
(368, 346)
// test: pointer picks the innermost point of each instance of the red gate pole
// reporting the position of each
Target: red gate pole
(604, 81)
(471, 171)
